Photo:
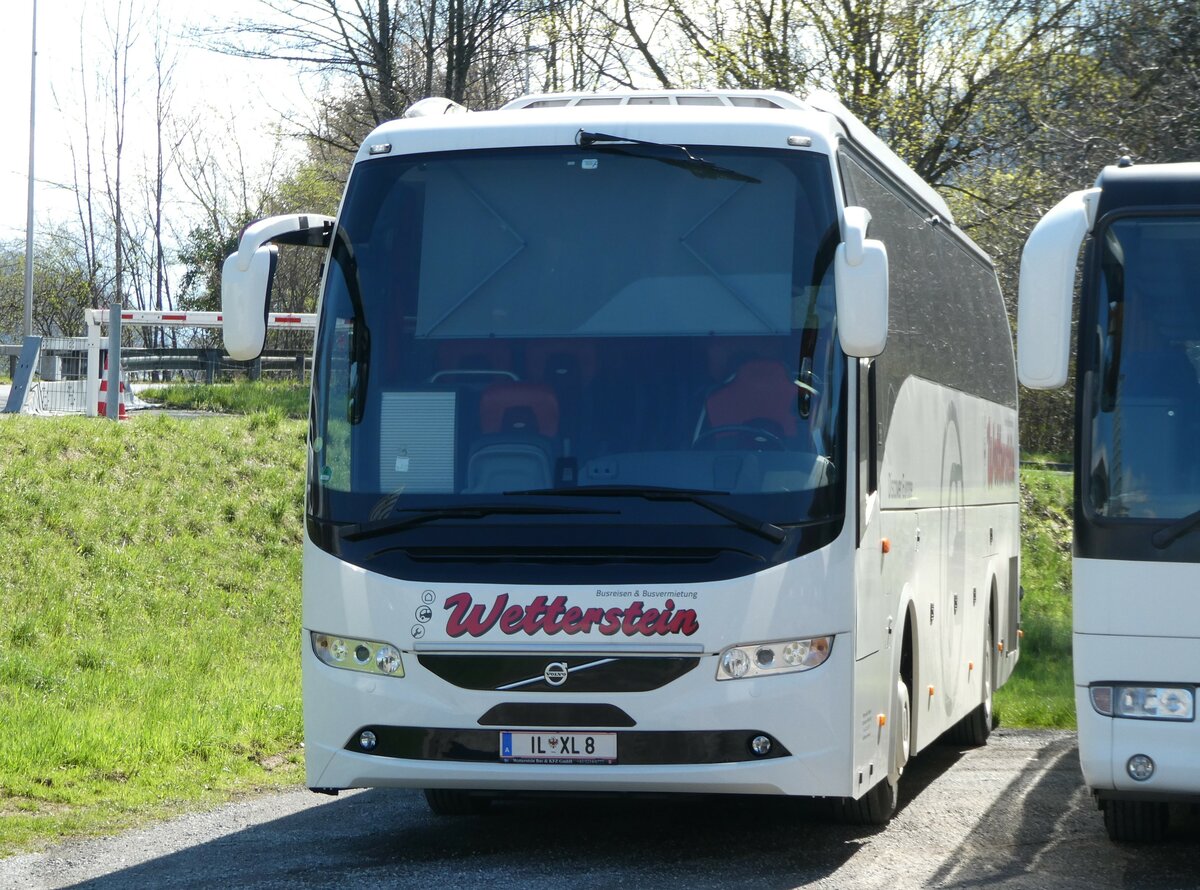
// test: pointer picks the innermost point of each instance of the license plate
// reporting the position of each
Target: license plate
(558, 747)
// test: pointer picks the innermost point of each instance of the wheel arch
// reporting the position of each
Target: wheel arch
(908, 656)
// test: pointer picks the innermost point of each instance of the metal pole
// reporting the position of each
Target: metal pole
(29, 210)
(113, 403)
(91, 390)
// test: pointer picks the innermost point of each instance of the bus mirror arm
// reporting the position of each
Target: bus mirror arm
(248, 274)
(1047, 289)
(855, 228)
(860, 269)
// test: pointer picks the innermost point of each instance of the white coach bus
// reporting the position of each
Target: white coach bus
(1137, 477)
(625, 475)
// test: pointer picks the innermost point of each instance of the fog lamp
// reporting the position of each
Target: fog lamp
(1140, 767)
(367, 740)
(760, 745)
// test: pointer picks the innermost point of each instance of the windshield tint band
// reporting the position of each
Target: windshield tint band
(637, 552)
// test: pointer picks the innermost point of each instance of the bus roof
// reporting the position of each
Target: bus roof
(1148, 185)
(826, 112)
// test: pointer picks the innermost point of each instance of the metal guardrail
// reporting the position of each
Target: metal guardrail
(211, 361)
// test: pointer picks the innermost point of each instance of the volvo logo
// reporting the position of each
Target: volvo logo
(555, 673)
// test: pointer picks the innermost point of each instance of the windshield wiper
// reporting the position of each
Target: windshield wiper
(699, 497)
(1167, 535)
(381, 527)
(694, 165)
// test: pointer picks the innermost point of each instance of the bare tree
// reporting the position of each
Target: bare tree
(165, 149)
(123, 33)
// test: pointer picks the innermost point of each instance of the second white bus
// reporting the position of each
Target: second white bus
(1136, 642)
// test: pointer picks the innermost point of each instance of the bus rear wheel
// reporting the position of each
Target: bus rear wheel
(451, 802)
(1137, 821)
(974, 729)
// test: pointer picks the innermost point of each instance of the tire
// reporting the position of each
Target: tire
(973, 730)
(449, 802)
(873, 808)
(878, 805)
(1136, 821)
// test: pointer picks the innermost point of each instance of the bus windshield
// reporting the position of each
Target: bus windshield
(1145, 397)
(501, 325)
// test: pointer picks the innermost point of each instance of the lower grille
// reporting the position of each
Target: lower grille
(633, 747)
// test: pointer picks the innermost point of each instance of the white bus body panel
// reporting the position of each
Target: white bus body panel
(808, 712)
(1136, 622)
(949, 511)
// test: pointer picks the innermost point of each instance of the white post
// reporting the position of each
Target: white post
(91, 389)
(113, 406)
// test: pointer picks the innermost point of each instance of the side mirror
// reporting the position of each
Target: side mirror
(245, 298)
(1047, 289)
(247, 276)
(860, 274)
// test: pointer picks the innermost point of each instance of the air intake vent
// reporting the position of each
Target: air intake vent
(582, 673)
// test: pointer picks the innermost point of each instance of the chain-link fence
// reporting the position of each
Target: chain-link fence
(59, 382)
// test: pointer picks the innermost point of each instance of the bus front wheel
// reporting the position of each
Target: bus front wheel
(877, 806)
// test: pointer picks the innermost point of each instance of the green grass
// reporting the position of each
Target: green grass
(1041, 692)
(288, 398)
(150, 600)
(149, 617)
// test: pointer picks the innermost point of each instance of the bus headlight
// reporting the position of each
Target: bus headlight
(367, 656)
(1144, 702)
(777, 657)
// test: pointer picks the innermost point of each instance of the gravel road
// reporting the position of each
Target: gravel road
(1010, 815)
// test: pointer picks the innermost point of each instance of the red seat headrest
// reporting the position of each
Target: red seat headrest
(761, 389)
(508, 406)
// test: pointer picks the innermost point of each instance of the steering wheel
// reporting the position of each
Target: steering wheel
(760, 435)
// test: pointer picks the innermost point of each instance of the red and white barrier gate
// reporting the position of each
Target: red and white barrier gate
(96, 319)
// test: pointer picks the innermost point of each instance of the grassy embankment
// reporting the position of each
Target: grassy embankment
(290, 399)
(149, 618)
(149, 612)
(1040, 693)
